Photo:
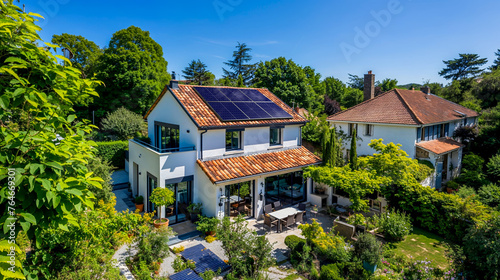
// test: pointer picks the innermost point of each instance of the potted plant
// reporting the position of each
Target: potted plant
(369, 250)
(161, 197)
(139, 203)
(320, 189)
(207, 225)
(194, 209)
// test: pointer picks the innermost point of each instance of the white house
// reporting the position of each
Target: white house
(231, 149)
(420, 121)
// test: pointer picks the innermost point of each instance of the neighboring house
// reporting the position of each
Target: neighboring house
(420, 121)
(232, 149)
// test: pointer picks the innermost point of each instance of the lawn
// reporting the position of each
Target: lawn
(422, 244)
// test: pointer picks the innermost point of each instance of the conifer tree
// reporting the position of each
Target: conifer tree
(353, 157)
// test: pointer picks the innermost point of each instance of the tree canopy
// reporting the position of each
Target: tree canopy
(387, 84)
(466, 66)
(239, 65)
(85, 52)
(196, 72)
(133, 70)
(496, 63)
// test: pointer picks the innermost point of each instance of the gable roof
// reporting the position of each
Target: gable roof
(224, 169)
(406, 107)
(205, 118)
(440, 146)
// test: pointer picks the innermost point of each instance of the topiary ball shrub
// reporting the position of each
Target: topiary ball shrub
(291, 241)
(330, 272)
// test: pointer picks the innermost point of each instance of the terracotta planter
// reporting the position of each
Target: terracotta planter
(140, 207)
(161, 223)
(212, 233)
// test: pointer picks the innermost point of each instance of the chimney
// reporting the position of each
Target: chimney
(174, 84)
(369, 86)
(426, 90)
(297, 109)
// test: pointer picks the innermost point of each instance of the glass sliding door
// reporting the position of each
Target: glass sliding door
(287, 188)
(152, 184)
(177, 212)
(240, 199)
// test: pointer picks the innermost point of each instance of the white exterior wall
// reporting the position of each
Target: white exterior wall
(206, 193)
(404, 135)
(291, 136)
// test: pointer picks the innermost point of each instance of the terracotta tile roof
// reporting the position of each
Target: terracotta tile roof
(204, 117)
(407, 107)
(236, 167)
(440, 146)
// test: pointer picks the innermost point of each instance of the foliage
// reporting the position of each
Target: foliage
(39, 137)
(178, 249)
(301, 257)
(153, 245)
(289, 82)
(330, 272)
(331, 106)
(332, 148)
(141, 271)
(488, 90)
(496, 63)
(196, 72)
(472, 171)
(356, 82)
(195, 208)
(210, 274)
(123, 123)
(133, 70)
(356, 219)
(102, 169)
(490, 195)
(466, 133)
(314, 130)
(311, 231)
(210, 238)
(358, 184)
(333, 247)
(334, 88)
(488, 141)
(206, 224)
(239, 67)
(367, 248)
(353, 154)
(395, 225)
(351, 97)
(248, 253)
(421, 269)
(85, 52)
(482, 249)
(387, 84)
(89, 246)
(493, 167)
(112, 152)
(466, 66)
(161, 197)
(465, 192)
(180, 265)
(139, 200)
(291, 241)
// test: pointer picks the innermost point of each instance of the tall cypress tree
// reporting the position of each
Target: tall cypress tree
(325, 146)
(353, 157)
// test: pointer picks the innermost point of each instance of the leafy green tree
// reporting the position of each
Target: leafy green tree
(353, 154)
(196, 72)
(472, 171)
(123, 123)
(493, 167)
(496, 63)
(314, 130)
(133, 70)
(289, 82)
(239, 65)
(387, 84)
(466, 66)
(434, 87)
(351, 97)
(227, 82)
(314, 79)
(356, 82)
(332, 148)
(103, 169)
(43, 151)
(488, 90)
(85, 52)
(334, 88)
(490, 195)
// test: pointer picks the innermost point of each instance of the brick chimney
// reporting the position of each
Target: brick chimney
(174, 84)
(426, 90)
(369, 86)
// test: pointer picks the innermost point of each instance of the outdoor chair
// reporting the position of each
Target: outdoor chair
(302, 207)
(241, 208)
(289, 222)
(269, 222)
(299, 217)
(268, 209)
(277, 205)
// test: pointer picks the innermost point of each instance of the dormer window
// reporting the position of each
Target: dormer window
(233, 139)
(275, 136)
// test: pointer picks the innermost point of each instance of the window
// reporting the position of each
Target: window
(166, 136)
(275, 136)
(368, 130)
(352, 126)
(233, 140)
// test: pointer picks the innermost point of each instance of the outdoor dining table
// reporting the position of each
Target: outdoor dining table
(282, 215)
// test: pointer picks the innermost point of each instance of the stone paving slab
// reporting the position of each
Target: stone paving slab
(119, 177)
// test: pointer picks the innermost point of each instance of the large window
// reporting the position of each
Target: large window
(275, 136)
(166, 136)
(432, 132)
(177, 211)
(240, 199)
(288, 188)
(233, 140)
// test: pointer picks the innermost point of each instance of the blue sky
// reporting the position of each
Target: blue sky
(405, 39)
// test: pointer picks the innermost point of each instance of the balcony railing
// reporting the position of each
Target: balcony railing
(165, 150)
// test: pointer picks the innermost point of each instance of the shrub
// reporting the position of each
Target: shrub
(210, 238)
(314, 273)
(141, 271)
(311, 231)
(472, 171)
(178, 249)
(493, 167)
(180, 265)
(162, 197)
(333, 247)
(395, 225)
(418, 269)
(139, 200)
(291, 241)
(330, 272)
(113, 152)
(123, 123)
(368, 249)
(206, 224)
(210, 274)
(356, 219)
(465, 192)
(490, 195)
(153, 246)
(103, 169)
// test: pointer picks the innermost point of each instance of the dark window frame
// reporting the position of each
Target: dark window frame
(172, 144)
(350, 128)
(368, 130)
(240, 139)
(280, 136)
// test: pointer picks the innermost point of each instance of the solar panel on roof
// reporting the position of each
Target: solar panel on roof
(186, 274)
(204, 259)
(236, 104)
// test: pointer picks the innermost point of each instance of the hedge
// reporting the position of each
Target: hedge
(291, 241)
(113, 151)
